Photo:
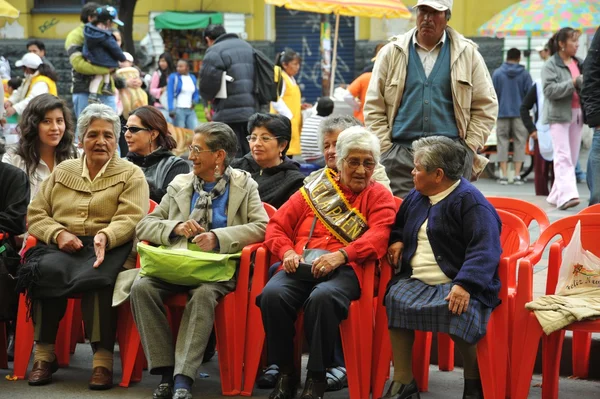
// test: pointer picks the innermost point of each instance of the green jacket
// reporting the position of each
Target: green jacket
(82, 70)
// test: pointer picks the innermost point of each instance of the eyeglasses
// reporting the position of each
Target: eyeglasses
(354, 164)
(265, 139)
(195, 150)
(136, 129)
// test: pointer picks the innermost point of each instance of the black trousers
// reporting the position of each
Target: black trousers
(99, 318)
(241, 131)
(325, 305)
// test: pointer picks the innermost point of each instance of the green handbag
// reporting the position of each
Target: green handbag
(186, 266)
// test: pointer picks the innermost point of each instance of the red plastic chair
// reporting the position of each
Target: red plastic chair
(68, 331)
(528, 213)
(492, 350)
(590, 210)
(230, 323)
(526, 329)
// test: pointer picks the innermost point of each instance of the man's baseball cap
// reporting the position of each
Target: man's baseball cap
(108, 13)
(440, 5)
(30, 60)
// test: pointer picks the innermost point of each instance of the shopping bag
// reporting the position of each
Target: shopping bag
(189, 266)
(579, 270)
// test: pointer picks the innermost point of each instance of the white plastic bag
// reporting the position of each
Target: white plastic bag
(579, 270)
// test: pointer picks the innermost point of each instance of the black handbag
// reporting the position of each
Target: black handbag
(304, 271)
(9, 262)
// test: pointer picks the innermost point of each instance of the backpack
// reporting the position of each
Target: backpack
(267, 79)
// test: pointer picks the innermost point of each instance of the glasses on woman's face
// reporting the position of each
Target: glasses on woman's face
(355, 164)
(195, 150)
(136, 129)
(265, 139)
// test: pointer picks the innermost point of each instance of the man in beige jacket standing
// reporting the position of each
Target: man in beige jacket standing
(429, 81)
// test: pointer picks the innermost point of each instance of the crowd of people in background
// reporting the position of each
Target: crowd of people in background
(423, 110)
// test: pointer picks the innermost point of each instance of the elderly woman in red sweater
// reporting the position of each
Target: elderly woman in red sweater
(323, 234)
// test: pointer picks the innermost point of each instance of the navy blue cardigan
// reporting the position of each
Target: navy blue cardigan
(464, 233)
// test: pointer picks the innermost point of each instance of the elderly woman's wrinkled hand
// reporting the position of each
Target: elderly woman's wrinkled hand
(395, 252)
(99, 248)
(327, 263)
(458, 300)
(68, 242)
(206, 241)
(290, 261)
(188, 229)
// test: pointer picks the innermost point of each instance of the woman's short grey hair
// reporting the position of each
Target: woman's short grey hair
(356, 138)
(97, 111)
(219, 136)
(441, 152)
(335, 124)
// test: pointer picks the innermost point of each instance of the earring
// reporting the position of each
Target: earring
(562, 49)
(280, 154)
(216, 170)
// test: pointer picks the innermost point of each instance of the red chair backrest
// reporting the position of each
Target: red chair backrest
(153, 205)
(514, 236)
(526, 211)
(590, 209)
(270, 209)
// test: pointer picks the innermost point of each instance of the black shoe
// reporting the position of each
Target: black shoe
(473, 389)
(93, 98)
(337, 379)
(269, 377)
(164, 390)
(404, 391)
(285, 388)
(313, 389)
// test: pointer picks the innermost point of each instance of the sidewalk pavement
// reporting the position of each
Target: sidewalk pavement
(72, 382)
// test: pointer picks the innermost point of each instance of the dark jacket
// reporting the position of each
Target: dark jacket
(235, 56)
(160, 168)
(590, 92)
(464, 233)
(275, 185)
(101, 47)
(530, 102)
(13, 202)
(511, 82)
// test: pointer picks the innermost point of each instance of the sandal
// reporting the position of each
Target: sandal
(269, 377)
(336, 379)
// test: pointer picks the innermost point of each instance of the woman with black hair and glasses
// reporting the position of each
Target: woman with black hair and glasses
(150, 144)
(278, 177)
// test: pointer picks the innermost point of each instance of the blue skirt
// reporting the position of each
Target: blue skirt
(414, 305)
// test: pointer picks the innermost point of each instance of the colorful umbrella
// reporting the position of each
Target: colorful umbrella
(542, 17)
(7, 10)
(348, 8)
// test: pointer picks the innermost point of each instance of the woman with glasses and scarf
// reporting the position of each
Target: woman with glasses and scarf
(344, 218)
(218, 208)
(278, 177)
(150, 144)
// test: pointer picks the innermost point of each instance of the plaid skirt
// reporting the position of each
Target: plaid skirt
(414, 305)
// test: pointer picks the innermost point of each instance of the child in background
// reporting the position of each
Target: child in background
(101, 48)
(10, 85)
(130, 98)
(309, 138)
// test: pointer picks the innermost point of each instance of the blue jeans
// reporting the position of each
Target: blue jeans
(593, 168)
(80, 101)
(185, 117)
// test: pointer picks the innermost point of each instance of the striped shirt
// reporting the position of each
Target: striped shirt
(309, 138)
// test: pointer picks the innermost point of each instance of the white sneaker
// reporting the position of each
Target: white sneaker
(517, 181)
(503, 181)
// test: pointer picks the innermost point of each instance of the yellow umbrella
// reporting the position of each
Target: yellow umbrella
(7, 10)
(349, 8)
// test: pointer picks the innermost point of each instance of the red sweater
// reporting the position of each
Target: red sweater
(290, 226)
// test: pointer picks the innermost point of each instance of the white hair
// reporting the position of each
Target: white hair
(356, 138)
(97, 111)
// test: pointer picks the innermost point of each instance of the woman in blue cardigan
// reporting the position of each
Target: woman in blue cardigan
(446, 241)
(182, 96)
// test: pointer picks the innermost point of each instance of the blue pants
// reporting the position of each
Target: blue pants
(593, 168)
(185, 117)
(80, 101)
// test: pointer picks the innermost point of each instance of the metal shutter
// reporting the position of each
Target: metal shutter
(301, 31)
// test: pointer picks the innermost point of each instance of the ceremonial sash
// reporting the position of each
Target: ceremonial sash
(331, 207)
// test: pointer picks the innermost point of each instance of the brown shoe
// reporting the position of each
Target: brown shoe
(42, 371)
(102, 378)
(569, 204)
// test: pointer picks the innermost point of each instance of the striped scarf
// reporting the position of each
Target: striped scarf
(202, 212)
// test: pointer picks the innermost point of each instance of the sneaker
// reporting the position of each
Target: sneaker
(518, 181)
(107, 89)
(93, 98)
(503, 181)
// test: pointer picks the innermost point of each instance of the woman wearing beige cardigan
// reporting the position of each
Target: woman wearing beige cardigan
(84, 218)
(219, 209)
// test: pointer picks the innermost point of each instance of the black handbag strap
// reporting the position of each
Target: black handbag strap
(312, 229)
